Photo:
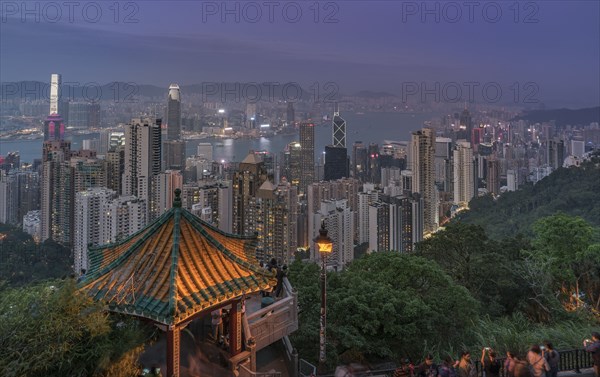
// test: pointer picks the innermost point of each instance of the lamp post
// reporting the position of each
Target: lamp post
(325, 245)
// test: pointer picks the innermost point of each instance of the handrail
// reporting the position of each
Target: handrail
(248, 372)
(274, 306)
(572, 359)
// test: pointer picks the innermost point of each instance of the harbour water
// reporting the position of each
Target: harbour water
(368, 128)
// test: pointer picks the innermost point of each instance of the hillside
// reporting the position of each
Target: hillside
(574, 191)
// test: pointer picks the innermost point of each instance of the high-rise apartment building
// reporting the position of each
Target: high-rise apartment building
(493, 176)
(56, 198)
(247, 180)
(89, 205)
(291, 163)
(423, 174)
(339, 221)
(463, 173)
(142, 157)
(307, 155)
(164, 185)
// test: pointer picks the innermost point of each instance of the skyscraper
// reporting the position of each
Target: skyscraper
(463, 173)
(373, 168)
(54, 128)
(174, 113)
(247, 180)
(291, 163)
(359, 161)
(307, 155)
(493, 176)
(423, 178)
(174, 155)
(290, 114)
(336, 163)
(142, 157)
(339, 129)
(56, 198)
(55, 93)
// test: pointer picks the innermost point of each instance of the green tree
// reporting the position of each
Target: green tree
(565, 246)
(385, 305)
(51, 329)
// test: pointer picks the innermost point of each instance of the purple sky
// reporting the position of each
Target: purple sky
(375, 45)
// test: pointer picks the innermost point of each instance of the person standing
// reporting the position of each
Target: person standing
(509, 364)
(427, 368)
(447, 368)
(520, 368)
(552, 357)
(537, 362)
(490, 364)
(593, 346)
(465, 366)
(217, 325)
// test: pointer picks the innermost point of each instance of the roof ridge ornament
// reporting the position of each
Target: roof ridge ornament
(177, 200)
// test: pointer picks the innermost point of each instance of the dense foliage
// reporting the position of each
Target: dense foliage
(461, 289)
(573, 191)
(381, 306)
(23, 261)
(50, 329)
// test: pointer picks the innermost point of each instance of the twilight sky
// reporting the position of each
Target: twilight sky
(374, 45)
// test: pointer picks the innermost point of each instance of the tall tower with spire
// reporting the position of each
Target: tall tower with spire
(339, 128)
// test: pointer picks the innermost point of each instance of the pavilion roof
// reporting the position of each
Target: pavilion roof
(174, 268)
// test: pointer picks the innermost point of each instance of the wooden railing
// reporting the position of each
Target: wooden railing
(277, 320)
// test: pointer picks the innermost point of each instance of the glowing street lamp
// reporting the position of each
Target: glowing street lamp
(325, 245)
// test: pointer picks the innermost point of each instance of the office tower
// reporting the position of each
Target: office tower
(511, 180)
(443, 163)
(379, 227)
(466, 125)
(164, 185)
(336, 163)
(555, 153)
(83, 115)
(174, 154)
(247, 180)
(307, 155)
(8, 199)
(88, 230)
(205, 151)
(54, 128)
(251, 116)
(269, 163)
(115, 168)
(359, 161)
(291, 163)
(290, 114)
(276, 222)
(463, 173)
(56, 191)
(174, 113)
(339, 221)
(423, 174)
(373, 168)
(142, 157)
(476, 136)
(493, 176)
(55, 94)
(339, 129)
(88, 173)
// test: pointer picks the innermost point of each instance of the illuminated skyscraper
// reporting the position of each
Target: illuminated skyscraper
(423, 174)
(54, 128)
(359, 161)
(247, 180)
(55, 94)
(174, 113)
(463, 173)
(307, 155)
(339, 129)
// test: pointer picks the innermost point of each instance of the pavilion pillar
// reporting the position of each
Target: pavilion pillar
(235, 328)
(173, 336)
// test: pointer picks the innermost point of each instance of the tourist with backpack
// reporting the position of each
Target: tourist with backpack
(552, 357)
(593, 346)
(538, 366)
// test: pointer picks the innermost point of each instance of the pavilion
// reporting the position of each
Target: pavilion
(175, 270)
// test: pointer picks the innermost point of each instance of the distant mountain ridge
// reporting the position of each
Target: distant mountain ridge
(563, 117)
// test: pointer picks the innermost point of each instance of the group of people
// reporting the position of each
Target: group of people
(540, 361)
